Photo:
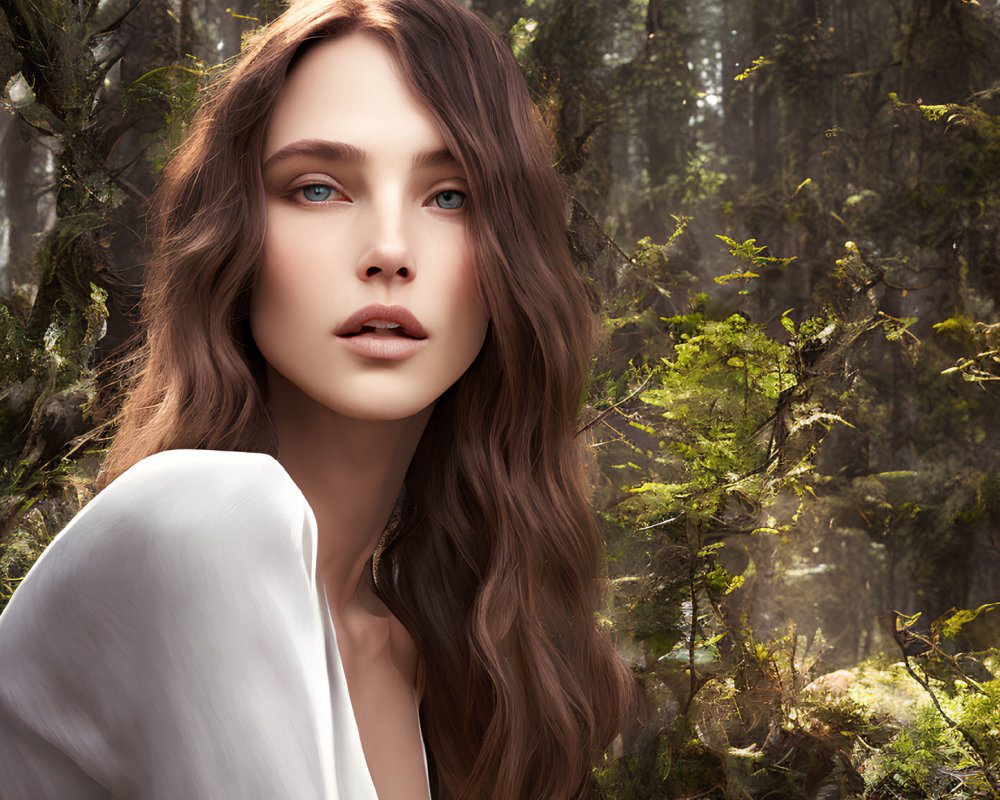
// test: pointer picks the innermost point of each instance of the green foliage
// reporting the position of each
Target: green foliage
(928, 756)
(172, 92)
(107, 135)
(758, 62)
(521, 36)
(791, 447)
(50, 386)
(909, 761)
(723, 381)
(949, 626)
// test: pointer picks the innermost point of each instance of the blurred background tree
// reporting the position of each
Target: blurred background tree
(790, 212)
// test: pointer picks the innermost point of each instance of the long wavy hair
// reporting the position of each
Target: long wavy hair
(493, 557)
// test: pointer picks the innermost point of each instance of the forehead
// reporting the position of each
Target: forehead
(348, 89)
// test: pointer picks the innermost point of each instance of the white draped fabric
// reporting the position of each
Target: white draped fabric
(173, 643)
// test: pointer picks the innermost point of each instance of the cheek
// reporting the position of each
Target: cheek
(475, 322)
(470, 343)
(292, 270)
(269, 303)
(466, 307)
(280, 297)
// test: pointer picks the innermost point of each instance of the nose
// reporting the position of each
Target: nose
(387, 254)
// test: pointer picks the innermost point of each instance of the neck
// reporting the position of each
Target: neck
(351, 472)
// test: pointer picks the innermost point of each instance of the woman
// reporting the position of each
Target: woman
(345, 488)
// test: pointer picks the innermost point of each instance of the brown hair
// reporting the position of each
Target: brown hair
(493, 558)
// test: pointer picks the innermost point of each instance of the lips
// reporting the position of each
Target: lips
(384, 321)
(382, 333)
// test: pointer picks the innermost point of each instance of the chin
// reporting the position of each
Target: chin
(382, 410)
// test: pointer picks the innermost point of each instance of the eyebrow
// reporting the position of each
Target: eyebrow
(434, 158)
(341, 151)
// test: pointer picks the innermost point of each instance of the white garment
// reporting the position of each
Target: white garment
(172, 643)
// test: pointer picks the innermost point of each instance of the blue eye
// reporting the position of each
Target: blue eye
(450, 199)
(316, 192)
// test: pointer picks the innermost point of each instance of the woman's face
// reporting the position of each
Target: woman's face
(366, 300)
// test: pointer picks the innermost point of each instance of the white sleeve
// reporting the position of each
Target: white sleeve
(169, 643)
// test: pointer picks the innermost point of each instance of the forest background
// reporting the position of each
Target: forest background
(790, 215)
